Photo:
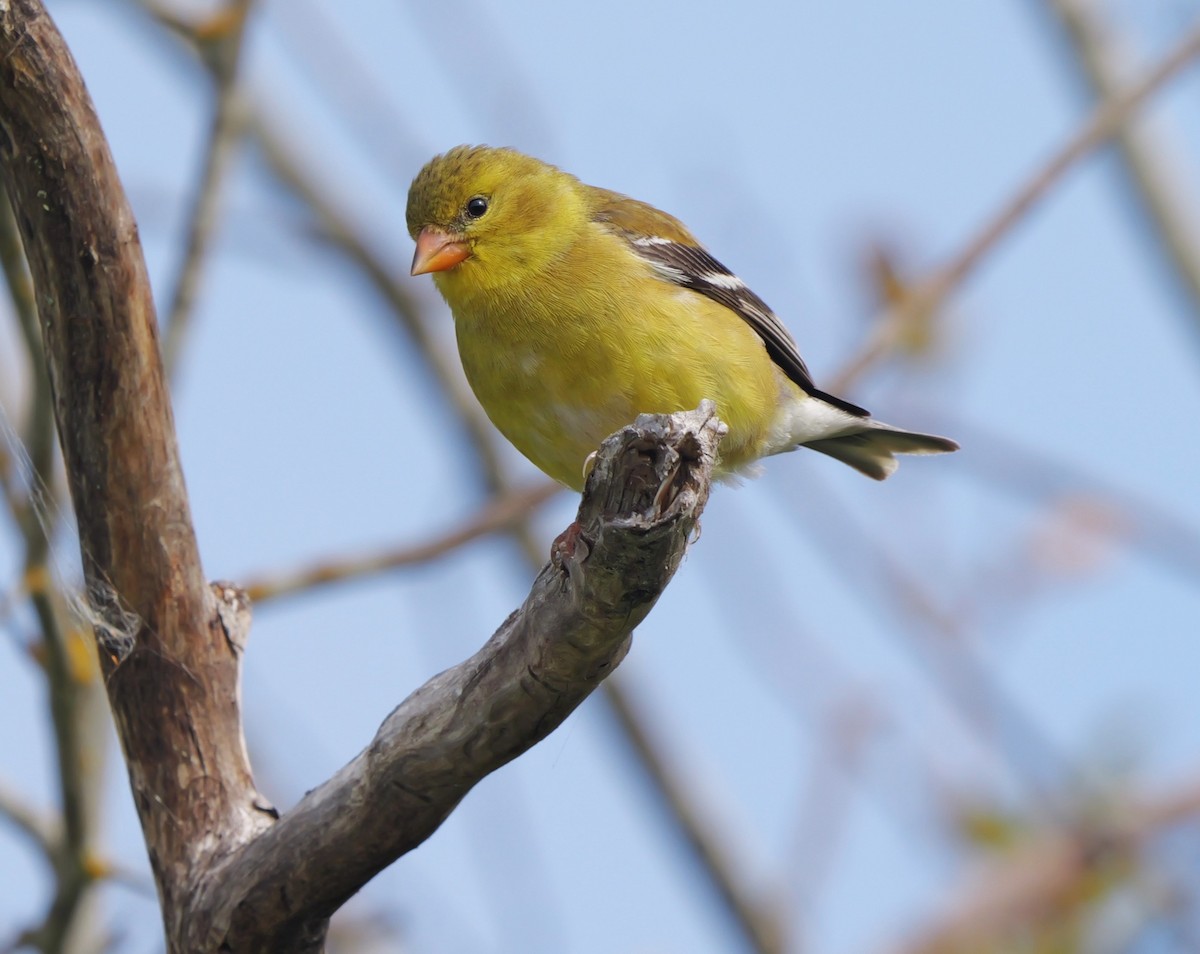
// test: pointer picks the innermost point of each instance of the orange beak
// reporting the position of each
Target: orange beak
(438, 251)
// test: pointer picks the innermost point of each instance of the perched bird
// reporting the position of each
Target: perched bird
(577, 308)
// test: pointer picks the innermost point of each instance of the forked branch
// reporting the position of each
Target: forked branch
(232, 875)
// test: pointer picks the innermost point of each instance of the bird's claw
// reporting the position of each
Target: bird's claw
(589, 464)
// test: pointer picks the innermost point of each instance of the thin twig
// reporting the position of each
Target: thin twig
(70, 860)
(1106, 121)
(206, 200)
(501, 513)
(335, 228)
(357, 97)
(42, 829)
(822, 827)
(1162, 198)
(38, 432)
(758, 924)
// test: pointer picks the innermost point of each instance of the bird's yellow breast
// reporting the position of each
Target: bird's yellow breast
(601, 341)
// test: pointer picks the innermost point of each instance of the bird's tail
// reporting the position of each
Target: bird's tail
(848, 433)
(872, 449)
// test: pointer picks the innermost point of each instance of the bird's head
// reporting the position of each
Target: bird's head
(484, 217)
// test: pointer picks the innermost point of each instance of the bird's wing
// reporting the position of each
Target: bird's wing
(675, 255)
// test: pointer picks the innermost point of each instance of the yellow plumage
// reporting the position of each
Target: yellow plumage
(577, 308)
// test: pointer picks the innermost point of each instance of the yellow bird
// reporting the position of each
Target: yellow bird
(577, 308)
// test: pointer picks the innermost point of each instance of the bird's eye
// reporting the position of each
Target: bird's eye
(476, 206)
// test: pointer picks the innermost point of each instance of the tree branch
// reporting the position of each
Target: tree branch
(640, 507)
(171, 668)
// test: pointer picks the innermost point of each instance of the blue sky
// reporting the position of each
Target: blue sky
(786, 136)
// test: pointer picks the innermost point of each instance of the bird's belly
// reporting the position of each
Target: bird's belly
(556, 423)
(557, 392)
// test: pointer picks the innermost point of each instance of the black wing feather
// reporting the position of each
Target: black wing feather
(692, 266)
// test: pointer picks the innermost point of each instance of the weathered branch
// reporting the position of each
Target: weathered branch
(171, 669)
(641, 505)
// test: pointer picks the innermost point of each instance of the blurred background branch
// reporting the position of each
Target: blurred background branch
(220, 41)
(1150, 170)
(922, 299)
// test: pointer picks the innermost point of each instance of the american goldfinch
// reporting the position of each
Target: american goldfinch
(577, 308)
